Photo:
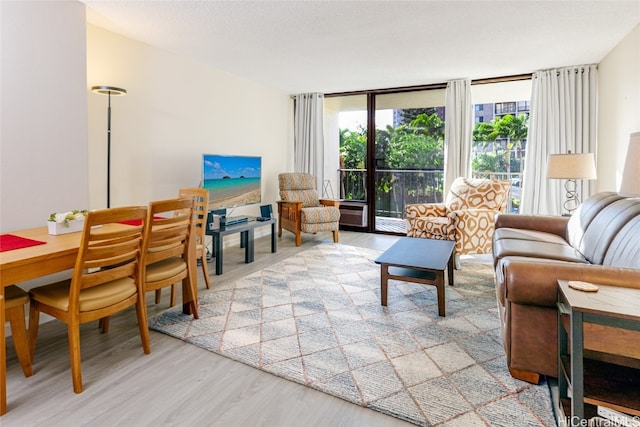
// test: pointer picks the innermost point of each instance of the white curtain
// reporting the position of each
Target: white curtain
(458, 131)
(563, 117)
(308, 136)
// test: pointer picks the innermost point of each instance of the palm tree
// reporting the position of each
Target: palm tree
(513, 129)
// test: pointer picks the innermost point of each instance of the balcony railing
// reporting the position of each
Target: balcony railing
(397, 188)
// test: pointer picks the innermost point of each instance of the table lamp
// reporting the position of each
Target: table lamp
(116, 91)
(571, 166)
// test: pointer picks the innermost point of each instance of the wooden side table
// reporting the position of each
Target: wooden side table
(590, 380)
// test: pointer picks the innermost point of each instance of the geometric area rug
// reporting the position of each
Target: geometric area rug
(316, 319)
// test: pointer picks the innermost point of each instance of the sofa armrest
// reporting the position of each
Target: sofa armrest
(547, 223)
(329, 202)
(534, 281)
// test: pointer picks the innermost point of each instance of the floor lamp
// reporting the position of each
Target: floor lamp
(115, 91)
(571, 166)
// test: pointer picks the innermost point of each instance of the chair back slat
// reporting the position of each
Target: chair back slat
(200, 209)
(107, 256)
(104, 276)
(168, 229)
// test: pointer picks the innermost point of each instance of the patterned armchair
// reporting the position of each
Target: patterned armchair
(301, 210)
(467, 215)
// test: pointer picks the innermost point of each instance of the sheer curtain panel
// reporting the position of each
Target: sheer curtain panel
(563, 117)
(458, 131)
(308, 134)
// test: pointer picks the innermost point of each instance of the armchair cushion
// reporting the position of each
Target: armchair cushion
(299, 187)
(309, 198)
(320, 214)
(323, 218)
(436, 227)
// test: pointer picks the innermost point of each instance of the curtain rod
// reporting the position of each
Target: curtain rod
(576, 69)
(433, 86)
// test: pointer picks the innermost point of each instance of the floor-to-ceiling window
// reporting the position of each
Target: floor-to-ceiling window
(500, 133)
(390, 146)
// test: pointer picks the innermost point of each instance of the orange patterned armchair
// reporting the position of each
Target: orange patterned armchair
(467, 215)
(301, 210)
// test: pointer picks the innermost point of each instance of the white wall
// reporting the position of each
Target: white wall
(43, 117)
(53, 128)
(176, 110)
(619, 108)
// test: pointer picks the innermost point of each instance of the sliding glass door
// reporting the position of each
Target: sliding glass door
(408, 149)
(390, 153)
(346, 138)
(390, 146)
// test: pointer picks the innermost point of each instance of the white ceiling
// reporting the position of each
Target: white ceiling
(335, 46)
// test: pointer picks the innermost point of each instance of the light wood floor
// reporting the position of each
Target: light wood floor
(178, 383)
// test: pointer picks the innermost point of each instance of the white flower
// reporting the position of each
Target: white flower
(65, 217)
(61, 217)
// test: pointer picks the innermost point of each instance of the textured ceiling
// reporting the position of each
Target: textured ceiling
(334, 46)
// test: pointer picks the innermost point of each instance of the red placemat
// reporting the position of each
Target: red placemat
(137, 222)
(9, 242)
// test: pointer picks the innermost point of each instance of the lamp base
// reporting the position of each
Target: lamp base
(572, 201)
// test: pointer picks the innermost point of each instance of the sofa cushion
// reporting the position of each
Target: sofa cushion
(606, 227)
(533, 244)
(532, 235)
(586, 225)
(624, 250)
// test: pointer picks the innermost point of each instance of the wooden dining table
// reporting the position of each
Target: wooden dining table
(57, 254)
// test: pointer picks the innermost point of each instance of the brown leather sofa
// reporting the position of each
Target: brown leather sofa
(599, 243)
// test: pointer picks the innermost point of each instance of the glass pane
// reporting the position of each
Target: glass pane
(409, 154)
(345, 119)
(346, 133)
(500, 134)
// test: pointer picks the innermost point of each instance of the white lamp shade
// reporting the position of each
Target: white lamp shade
(571, 166)
(631, 174)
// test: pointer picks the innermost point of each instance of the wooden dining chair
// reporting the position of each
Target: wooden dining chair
(106, 279)
(15, 299)
(166, 245)
(200, 210)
